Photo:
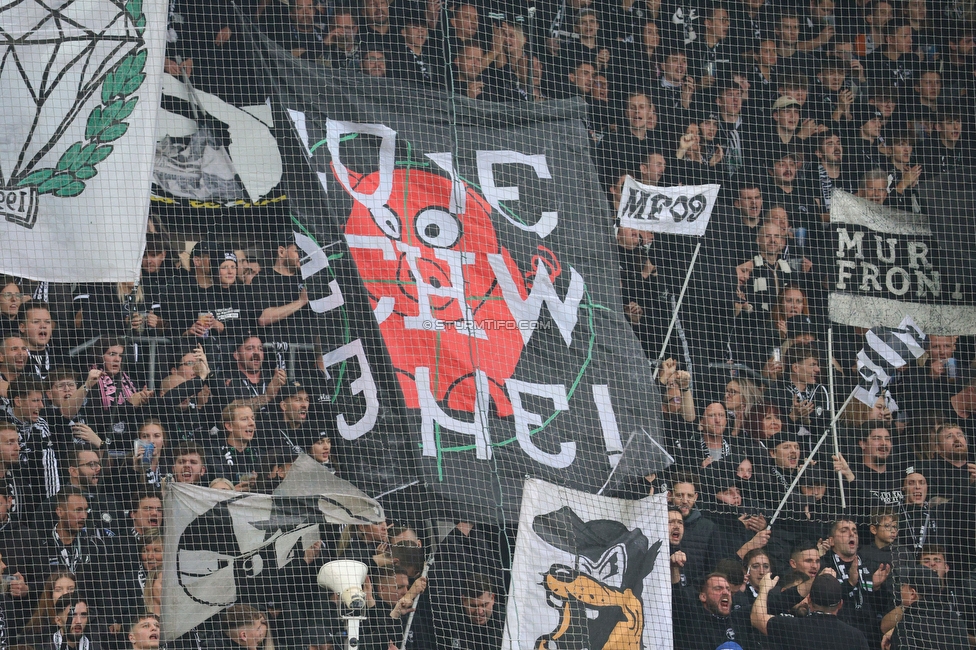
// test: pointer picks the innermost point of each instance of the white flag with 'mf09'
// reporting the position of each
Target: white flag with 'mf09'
(680, 210)
(605, 569)
(80, 84)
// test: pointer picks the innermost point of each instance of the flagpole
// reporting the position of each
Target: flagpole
(406, 628)
(677, 306)
(806, 463)
(830, 404)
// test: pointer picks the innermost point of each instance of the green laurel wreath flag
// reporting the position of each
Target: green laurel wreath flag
(105, 123)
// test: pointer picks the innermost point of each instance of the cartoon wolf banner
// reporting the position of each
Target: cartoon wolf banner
(589, 573)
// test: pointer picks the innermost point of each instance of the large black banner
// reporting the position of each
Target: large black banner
(889, 264)
(460, 255)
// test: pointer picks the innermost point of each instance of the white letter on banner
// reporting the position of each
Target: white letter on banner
(608, 423)
(375, 202)
(525, 419)
(298, 118)
(384, 306)
(564, 314)
(458, 192)
(432, 414)
(426, 320)
(845, 243)
(495, 195)
(318, 260)
(363, 384)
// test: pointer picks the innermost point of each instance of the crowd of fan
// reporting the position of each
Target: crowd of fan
(780, 103)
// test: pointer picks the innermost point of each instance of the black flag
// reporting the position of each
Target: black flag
(459, 253)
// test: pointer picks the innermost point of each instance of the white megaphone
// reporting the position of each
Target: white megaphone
(345, 577)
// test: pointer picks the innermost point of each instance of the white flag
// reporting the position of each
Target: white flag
(80, 84)
(682, 210)
(217, 542)
(589, 550)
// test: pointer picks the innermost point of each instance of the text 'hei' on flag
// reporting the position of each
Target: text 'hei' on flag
(468, 298)
(589, 549)
(888, 264)
(680, 210)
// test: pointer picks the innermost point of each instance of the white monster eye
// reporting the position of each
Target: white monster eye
(437, 228)
(387, 221)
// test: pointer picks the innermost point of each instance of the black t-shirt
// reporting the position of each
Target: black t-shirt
(695, 628)
(817, 632)
(273, 289)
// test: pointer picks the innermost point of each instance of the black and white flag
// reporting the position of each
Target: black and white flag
(885, 351)
(606, 580)
(680, 210)
(220, 544)
(889, 264)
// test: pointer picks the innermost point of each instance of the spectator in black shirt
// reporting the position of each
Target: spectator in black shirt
(876, 482)
(289, 428)
(11, 298)
(342, 42)
(188, 404)
(834, 103)
(924, 617)
(729, 99)
(376, 20)
(674, 92)
(68, 544)
(789, 59)
(861, 146)
(280, 297)
(38, 455)
(250, 382)
(801, 396)
(715, 53)
(84, 473)
(949, 471)
(412, 58)
(236, 458)
(118, 405)
(37, 328)
(818, 26)
(958, 65)
(949, 150)
(821, 629)
(478, 625)
(924, 114)
(904, 172)
(373, 63)
(921, 519)
(710, 620)
(855, 579)
(624, 151)
(873, 186)
(827, 175)
(787, 189)
(20, 494)
(699, 541)
(894, 66)
(14, 355)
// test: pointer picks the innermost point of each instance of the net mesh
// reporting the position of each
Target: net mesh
(481, 324)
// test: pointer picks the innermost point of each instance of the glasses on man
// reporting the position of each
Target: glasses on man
(94, 464)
